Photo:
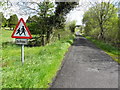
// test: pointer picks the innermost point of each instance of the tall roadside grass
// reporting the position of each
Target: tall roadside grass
(109, 49)
(40, 66)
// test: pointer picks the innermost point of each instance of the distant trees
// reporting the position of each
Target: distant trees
(72, 26)
(3, 20)
(101, 22)
(12, 21)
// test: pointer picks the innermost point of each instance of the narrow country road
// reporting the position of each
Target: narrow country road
(86, 66)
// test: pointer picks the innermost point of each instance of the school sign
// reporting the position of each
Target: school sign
(21, 30)
(22, 34)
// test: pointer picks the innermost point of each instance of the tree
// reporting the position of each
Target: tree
(33, 25)
(48, 17)
(97, 17)
(72, 26)
(12, 21)
(62, 9)
(2, 20)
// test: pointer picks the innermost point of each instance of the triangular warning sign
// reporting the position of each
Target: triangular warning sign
(21, 30)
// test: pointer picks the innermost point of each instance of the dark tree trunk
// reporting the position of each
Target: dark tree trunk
(43, 40)
(101, 35)
(118, 41)
(58, 36)
(48, 36)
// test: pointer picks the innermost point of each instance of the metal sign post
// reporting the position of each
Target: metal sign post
(22, 54)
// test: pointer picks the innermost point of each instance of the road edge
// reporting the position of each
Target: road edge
(61, 66)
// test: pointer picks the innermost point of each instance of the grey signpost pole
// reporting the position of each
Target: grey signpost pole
(22, 42)
(22, 54)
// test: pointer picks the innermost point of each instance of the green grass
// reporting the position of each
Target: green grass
(6, 36)
(109, 49)
(41, 63)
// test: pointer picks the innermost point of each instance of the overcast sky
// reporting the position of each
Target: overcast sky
(76, 14)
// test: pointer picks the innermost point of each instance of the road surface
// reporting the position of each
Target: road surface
(86, 66)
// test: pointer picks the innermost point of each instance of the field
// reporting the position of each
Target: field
(40, 67)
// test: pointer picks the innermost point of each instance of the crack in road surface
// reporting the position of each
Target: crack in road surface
(87, 66)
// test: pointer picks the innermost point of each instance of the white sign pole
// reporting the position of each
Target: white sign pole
(22, 54)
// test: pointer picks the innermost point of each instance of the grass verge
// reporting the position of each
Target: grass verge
(109, 49)
(41, 63)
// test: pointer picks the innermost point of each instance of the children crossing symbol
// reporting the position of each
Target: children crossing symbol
(18, 31)
(21, 31)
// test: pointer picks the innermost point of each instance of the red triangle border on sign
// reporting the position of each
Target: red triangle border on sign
(30, 36)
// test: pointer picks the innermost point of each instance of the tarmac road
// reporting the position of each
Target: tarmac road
(86, 66)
